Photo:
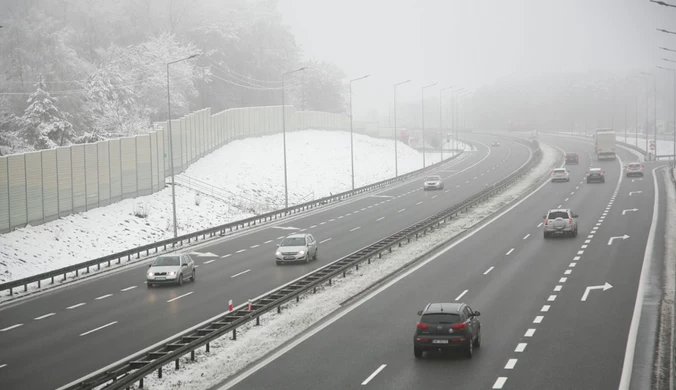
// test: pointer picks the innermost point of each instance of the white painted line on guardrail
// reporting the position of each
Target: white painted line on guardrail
(99, 328)
(180, 296)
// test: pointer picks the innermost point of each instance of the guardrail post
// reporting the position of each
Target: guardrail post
(64, 277)
(177, 366)
(192, 355)
(234, 334)
(140, 383)
(258, 321)
(52, 280)
(98, 267)
(208, 348)
(380, 255)
(390, 249)
(11, 291)
(357, 267)
(279, 309)
(369, 262)
(330, 283)
(77, 272)
(297, 298)
(38, 284)
(159, 372)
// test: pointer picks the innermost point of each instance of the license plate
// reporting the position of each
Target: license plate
(160, 278)
(439, 341)
(288, 257)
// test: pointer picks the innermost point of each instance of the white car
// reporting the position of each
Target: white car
(433, 183)
(297, 247)
(171, 269)
(560, 174)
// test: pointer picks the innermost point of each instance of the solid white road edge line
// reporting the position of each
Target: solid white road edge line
(376, 372)
(331, 319)
(628, 365)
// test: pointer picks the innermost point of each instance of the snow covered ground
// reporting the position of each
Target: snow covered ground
(227, 357)
(663, 146)
(249, 169)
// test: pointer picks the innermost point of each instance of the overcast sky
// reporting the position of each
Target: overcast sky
(475, 42)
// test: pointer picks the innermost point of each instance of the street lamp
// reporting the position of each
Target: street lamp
(286, 188)
(664, 48)
(456, 107)
(171, 143)
(396, 162)
(441, 128)
(655, 127)
(674, 124)
(351, 144)
(423, 119)
(668, 60)
(665, 31)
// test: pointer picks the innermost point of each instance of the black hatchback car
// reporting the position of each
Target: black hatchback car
(597, 175)
(444, 326)
(572, 158)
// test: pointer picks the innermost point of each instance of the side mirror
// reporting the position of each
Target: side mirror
(419, 312)
(184, 265)
(574, 215)
(476, 314)
(544, 217)
(150, 265)
(278, 245)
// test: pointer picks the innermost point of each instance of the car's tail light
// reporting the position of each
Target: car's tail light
(570, 220)
(587, 175)
(629, 169)
(422, 326)
(546, 222)
(457, 339)
(602, 174)
(566, 158)
(459, 326)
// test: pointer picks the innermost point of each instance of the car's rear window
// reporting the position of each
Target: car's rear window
(595, 170)
(571, 155)
(558, 214)
(634, 165)
(559, 170)
(433, 178)
(440, 318)
(293, 241)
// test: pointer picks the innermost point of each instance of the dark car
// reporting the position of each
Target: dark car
(572, 158)
(634, 169)
(444, 326)
(596, 175)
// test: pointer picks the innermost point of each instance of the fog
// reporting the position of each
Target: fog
(477, 43)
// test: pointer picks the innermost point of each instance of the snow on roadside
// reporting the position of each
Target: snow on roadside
(318, 165)
(228, 357)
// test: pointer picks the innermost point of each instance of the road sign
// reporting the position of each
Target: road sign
(652, 145)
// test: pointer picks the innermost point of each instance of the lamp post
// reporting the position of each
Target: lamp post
(441, 128)
(674, 98)
(655, 104)
(396, 162)
(423, 119)
(286, 187)
(171, 144)
(351, 143)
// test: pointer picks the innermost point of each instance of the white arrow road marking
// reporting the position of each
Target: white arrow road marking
(625, 211)
(635, 192)
(605, 287)
(610, 242)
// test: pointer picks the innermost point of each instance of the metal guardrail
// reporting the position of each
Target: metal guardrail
(137, 367)
(136, 253)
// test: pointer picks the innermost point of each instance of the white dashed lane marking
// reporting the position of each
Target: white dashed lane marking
(401, 210)
(209, 262)
(526, 236)
(500, 382)
(510, 251)
(538, 319)
(461, 295)
(254, 246)
(380, 219)
(74, 306)
(104, 296)
(10, 327)
(529, 333)
(520, 347)
(323, 241)
(269, 241)
(180, 296)
(99, 328)
(241, 250)
(488, 270)
(510, 364)
(357, 228)
(130, 288)
(241, 273)
(44, 316)
(545, 308)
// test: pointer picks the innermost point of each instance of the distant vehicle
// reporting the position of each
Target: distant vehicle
(560, 222)
(572, 158)
(560, 174)
(433, 183)
(297, 247)
(495, 143)
(634, 169)
(597, 175)
(444, 326)
(605, 144)
(171, 269)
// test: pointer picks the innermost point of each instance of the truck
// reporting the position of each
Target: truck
(605, 144)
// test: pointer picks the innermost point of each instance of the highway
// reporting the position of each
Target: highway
(70, 332)
(537, 331)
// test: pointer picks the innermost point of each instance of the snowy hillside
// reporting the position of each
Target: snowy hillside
(250, 171)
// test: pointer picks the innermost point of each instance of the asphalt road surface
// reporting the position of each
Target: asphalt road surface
(58, 337)
(537, 331)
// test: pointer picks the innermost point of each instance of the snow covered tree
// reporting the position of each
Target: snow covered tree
(322, 88)
(43, 125)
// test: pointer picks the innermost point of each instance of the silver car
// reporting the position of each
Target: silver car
(297, 247)
(560, 222)
(171, 269)
(433, 183)
(560, 174)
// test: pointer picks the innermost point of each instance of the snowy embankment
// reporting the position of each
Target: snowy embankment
(250, 171)
(664, 147)
(227, 357)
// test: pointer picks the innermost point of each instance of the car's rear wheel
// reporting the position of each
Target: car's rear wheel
(470, 350)
(150, 285)
(314, 257)
(477, 342)
(307, 258)
(278, 262)
(546, 235)
(192, 278)
(180, 280)
(417, 352)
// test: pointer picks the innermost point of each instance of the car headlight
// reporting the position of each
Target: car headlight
(172, 273)
(278, 253)
(301, 253)
(150, 274)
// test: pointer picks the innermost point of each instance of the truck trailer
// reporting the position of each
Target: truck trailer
(605, 144)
